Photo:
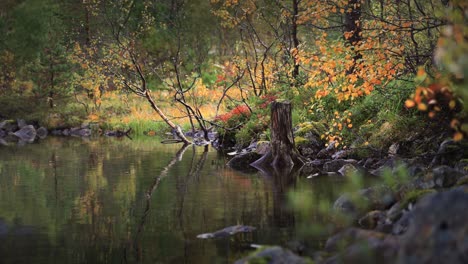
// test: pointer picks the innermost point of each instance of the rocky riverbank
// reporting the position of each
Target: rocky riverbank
(417, 214)
(20, 132)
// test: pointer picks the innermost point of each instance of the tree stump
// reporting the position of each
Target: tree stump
(283, 154)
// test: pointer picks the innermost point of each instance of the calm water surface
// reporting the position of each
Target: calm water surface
(122, 201)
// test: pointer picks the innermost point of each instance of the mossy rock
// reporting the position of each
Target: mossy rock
(273, 255)
(317, 128)
(462, 181)
(263, 147)
(299, 141)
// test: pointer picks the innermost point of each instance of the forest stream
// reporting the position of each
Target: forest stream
(124, 201)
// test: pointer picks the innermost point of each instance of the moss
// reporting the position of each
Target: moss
(300, 141)
(318, 128)
(462, 181)
(413, 196)
(256, 256)
(259, 260)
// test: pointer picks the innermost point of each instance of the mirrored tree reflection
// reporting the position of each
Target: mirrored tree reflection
(135, 202)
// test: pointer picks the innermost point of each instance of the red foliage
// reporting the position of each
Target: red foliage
(240, 110)
(220, 78)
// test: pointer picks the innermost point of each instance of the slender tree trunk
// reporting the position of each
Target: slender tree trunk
(87, 23)
(353, 25)
(177, 130)
(294, 37)
(283, 153)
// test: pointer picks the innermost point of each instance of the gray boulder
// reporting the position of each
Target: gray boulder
(348, 169)
(8, 126)
(373, 198)
(42, 132)
(262, 147)
(448, 153)
(21, 123)
(66, 132)
(327, 152)
(273, 255)
(445, 176)
(355, 245)
(27, 133)
(336, 165)
(438, 230)
(372, 219)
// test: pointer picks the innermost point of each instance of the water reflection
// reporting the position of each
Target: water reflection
(120, 201)
(109, 201)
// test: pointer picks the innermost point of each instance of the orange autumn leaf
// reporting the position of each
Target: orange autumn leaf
(409, 103)
(93, 117)
(457, 136)
(454, 123)
(421, 72)
(422, 107)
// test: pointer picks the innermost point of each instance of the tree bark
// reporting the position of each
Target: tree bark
(295, 39)
(283, 154)
(353, 25)
(176, 129)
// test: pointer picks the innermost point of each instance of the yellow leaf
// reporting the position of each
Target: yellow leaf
(452, 104)
(422, 107)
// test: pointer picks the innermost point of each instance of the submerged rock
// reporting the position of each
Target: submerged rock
(273, 255)
(228, 231)
(242, 162)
